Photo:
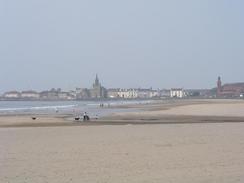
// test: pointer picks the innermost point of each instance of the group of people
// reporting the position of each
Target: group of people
(85, 117)
(102, 105)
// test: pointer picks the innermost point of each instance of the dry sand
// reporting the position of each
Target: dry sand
(186, 111)
(225, 109)
(143, 153)
(207, 151)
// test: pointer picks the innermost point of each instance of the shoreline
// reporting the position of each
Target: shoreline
(162, 112)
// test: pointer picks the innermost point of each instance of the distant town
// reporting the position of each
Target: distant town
(97, 91)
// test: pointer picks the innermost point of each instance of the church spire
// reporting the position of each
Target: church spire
(96, 80)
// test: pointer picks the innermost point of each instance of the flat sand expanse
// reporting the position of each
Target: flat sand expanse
(179, 142)
(179, 153)
(187, 111)
(225, 109)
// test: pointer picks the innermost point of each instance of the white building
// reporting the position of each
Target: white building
(30, 94)
(147, 93)
(11, 95)
(177, 93)
(154, 93)
(133, 93)
(128, 93)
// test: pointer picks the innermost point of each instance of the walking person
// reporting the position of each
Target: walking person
(85, 117)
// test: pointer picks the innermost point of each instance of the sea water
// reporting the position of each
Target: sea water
(93, 108)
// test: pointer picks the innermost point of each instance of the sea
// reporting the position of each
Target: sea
(92, 108)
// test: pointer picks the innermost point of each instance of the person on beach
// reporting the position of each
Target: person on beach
(86, 117)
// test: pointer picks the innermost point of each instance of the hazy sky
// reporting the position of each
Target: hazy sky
(129, 43)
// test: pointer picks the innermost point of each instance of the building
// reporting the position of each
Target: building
(154, 93)
(148, 93)
(98, 91)
(82, 93)
(219, 87)
(164, 93)
(198, 93)
(177, 93)
(229, 90)
(12, 95)
(113, 93)
(65, 96)
(143, 93)
(133, 93)
(50, 95)
(128, 93)
(33, 95)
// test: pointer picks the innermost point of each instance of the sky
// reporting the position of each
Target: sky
(131, 43)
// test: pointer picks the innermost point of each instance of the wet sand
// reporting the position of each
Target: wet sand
(169, 112)
(174, 144)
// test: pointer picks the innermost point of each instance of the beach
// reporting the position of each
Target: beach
(178, 141)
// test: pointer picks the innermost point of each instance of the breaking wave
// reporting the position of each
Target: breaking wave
(38, 108)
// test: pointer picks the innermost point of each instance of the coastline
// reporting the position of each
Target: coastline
(160, 112)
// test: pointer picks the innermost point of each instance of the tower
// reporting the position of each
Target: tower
(97, 90)
(96, 81)
(219, 86)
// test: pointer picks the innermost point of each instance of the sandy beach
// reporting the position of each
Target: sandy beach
(185, 111)
(182, 141)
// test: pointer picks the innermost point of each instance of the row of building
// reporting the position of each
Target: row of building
(33, 95)
(96, 92)
(80, 94)
(231, 90)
